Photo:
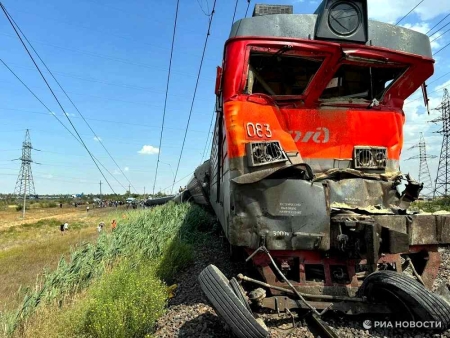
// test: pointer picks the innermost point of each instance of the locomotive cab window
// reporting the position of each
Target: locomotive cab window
(361, 82)
(280, 74)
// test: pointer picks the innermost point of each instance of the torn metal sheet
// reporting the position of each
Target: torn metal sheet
(372, 196)
(302, 171)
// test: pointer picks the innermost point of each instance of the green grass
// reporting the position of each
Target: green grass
(442, 204)
(151, 246)
(41, 223)
(126, 303)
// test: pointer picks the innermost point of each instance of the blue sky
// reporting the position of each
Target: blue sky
(112, 59)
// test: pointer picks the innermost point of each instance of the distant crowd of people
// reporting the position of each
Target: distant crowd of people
(101, 225)
(65, 226)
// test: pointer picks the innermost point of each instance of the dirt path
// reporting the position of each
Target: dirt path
(13, 218)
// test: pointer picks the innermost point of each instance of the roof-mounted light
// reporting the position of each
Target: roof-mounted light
(342, 20)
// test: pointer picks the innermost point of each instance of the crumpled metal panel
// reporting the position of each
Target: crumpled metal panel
(422, 229)
(195, 184)
(290, 214)
(392, 222)
(369, 195)
(443, 228)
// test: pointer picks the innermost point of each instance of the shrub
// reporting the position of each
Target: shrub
(125, 303)
(177, 256)
(19, 207)
(124, 294)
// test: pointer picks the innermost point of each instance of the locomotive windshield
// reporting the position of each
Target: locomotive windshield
(280, 74)
(288, 74)
(364, 82)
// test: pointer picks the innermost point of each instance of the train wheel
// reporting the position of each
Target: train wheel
(407, 297)
(228, 305)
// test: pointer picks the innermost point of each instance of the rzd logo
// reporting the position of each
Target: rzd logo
(321, 135)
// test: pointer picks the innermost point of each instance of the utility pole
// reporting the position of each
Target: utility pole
(129, 189)
(424, 171)
(25, 183)
(441, 187)
(100, 189)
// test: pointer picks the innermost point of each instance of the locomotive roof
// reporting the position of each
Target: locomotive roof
(303, 25)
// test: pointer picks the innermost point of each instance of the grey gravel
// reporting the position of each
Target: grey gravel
(190, 315)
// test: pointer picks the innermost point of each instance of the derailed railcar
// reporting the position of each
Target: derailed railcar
(304, 170)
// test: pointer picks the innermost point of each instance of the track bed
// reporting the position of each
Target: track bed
(190, 314)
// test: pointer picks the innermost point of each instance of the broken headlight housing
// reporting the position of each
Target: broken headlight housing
(370, 157)
(262, 153)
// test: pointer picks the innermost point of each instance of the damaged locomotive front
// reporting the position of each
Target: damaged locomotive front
(305, 160)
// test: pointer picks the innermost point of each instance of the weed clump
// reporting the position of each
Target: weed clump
(128, 270)
(126, 303)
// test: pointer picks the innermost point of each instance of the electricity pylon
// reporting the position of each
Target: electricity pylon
(424, 171)
(441, 187)
(25, 183)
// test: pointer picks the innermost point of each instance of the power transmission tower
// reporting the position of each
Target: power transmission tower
(441, 187)
(424, 171)
(25, 183)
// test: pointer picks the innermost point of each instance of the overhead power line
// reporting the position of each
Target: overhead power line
(70, 100)
(53, 94)
(167, 91)
(195, 89)
(437, 37)
(445, 17)
(440, 77)
(448, 23)
(420, 97)
(234, 13)
(248, 6)
(54, 115)
(153, 68)
(107, 121)
(409, 12)
(201, 7)
(209, 132)
(440, 50)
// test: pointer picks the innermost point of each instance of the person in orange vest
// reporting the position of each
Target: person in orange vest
(113, 225)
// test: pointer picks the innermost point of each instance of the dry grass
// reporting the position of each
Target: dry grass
(19, 266)
(10, 217)
(27, 248)
(153, 244)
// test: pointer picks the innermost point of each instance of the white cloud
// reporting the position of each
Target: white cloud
(148, 150)
(392, 11)
(97, 138)
(126, 169)
(417, 121)
(442, 86)
(69, 114)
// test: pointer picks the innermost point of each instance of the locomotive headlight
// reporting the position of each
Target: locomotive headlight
(364, 158)
(262, 153)
(370, 157)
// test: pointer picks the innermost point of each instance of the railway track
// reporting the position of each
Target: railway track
(190, 313)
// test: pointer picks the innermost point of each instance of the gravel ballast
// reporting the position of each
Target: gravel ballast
(190, 315)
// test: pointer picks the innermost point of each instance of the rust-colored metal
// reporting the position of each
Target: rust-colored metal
(328, 287)
(281, 303)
